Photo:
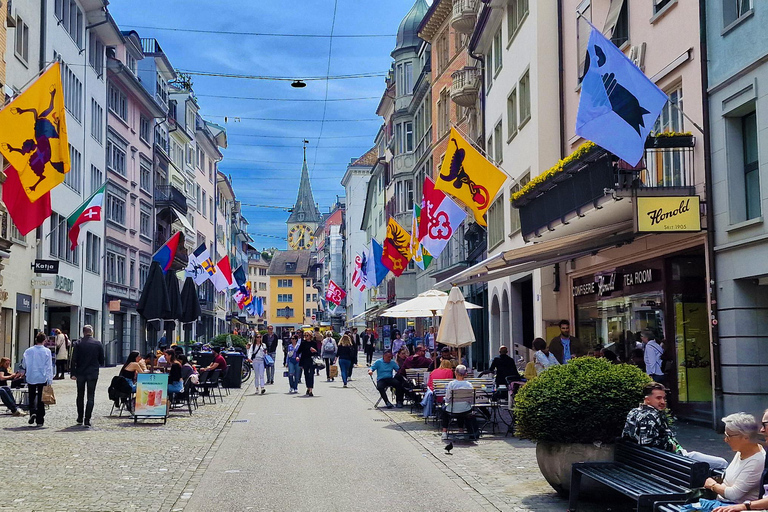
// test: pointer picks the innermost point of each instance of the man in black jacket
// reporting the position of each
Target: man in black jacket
(271, 340)
(504, 366)
(87, 358)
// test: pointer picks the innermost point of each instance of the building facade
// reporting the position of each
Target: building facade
(258, 266)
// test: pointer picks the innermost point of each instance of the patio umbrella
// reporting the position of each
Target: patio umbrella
(430, 303)
(190, 307)
(174, 301)
(456, 329)
(153, 304)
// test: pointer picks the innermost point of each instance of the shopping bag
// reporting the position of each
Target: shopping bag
(268, 360)
(334, 371)
(48, 397)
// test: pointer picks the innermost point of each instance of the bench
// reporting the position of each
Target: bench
(645, 475)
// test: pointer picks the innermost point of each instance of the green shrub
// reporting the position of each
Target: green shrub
(224, 340)
(584, 401)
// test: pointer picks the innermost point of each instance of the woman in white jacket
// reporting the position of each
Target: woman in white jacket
(256, 355)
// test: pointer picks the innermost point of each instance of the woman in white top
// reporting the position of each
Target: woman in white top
(744, 474)
(256, 355)
(543, 358)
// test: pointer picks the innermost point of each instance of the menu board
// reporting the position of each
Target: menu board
(152, 395)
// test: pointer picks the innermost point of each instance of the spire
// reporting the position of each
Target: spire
(305, 210)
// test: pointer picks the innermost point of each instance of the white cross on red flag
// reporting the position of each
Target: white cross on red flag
(334, 294)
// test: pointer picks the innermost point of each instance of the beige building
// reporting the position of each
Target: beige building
(257, 275)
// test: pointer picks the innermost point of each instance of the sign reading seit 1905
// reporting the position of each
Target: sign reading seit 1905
(668, 214)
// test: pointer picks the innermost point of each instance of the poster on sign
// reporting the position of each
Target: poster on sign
(151, 396)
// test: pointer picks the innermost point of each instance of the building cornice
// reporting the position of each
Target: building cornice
(434, 19)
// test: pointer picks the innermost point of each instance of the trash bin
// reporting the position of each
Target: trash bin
(234, 369)
(204, 359)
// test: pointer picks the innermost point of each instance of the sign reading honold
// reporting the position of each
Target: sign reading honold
(668, 214)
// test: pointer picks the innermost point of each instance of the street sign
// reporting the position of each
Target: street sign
(46, 266)
(42, 282)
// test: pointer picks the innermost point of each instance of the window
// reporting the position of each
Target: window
(444, 113)
(59, 241)
(73, 178)
(525, 98)
(660, 4)
(71, 19)
(668, 168)
(96, 55)
(497, 52)
(285, 312)
(308, 282)
(21, 45)
(198, 191)
(284, 297)
(514, 213)
(498, 140)
(309, 297)
(92, 253)
(496, 222)
(130, 63)
(443, 51)
(144, 129)
(73, 92)
(751, 167)
(512, 114)
(144, 263)
(285, 283)
(190, 154)
(290, 266)
(203, 205)
(617, 22)
(97, 121)
(583, 29)
(97, 178)
(145, 178)
(408, 136)
(517, 10)
(314, 297)
(210, 171)
(132, 273)
(489, 148)
(262, 271)
(309, 312)
(262, 286)
(732, 10)
(115, 264)
(118, 103)
(489, 69)
(145, 227)
(115, 208)
(200, 161)
(116, 156)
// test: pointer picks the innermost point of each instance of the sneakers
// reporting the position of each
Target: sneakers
(444, 436)
(18, 412)
(344, 385)
(79, 421)
(390, 406)
(32, 418)
(87, 424)
(399, 405)
(263, 390)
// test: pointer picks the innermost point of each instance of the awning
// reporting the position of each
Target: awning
(532, 256)
(363, 315)
(183, 219)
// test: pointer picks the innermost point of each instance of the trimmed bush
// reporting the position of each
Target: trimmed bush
(223, 340)
(584, 401)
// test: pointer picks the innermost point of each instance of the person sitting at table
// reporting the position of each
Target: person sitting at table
(175, 381)
(459, 410)
(6, 395)
(445, 353)
(219, 363)
(131, 368)
(385, 369)
(402, 355)
(445, 371)
(543, 358)
(187, 370)
(417, 360)
(505, 368)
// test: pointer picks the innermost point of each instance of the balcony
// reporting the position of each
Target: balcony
(592, 187)
(464, 15)
(168, 195)
(465, 86)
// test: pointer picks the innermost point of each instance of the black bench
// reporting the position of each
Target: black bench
(646, 475)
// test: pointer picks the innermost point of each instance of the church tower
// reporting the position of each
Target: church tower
(305, 218)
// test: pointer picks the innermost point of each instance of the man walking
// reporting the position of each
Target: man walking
(271, 340)
(565, 347)
(356, 344)
(38, 369)
(369, 345)
(87, 358)
(652, 353)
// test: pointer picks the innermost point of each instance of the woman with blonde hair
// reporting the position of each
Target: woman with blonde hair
(346, 354)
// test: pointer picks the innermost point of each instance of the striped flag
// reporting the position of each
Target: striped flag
(357, 275)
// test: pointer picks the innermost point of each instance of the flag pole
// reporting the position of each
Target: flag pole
(483, 152)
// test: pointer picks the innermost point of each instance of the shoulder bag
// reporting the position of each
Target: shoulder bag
(318, 361)
(49, 398)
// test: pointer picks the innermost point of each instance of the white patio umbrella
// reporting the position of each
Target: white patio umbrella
(430, 303)
(455, 328)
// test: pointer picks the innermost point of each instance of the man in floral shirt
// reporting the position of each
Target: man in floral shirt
(647, 424)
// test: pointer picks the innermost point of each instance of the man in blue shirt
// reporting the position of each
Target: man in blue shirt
(385, 369)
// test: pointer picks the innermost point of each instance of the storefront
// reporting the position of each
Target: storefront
(667, 296)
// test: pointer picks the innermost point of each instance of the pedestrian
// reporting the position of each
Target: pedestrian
(39, 373)
(429, 339)
(543, 357)
(294, 370)
(347, 354)
(306, 352)
(6, 378)
(256, 357)
(87, 358)
(356, 345)
(318, 336)
(287, 337)
(397, 343)
(652, 356)
(369, 346)
(330, 349)
(270, 341)
(564, 346)
(62, 353)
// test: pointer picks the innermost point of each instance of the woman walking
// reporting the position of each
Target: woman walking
(329, 354)
(62, 353)
(305, 353)
(39, 372)
(294, 370)
(347, 353)
(256, 356)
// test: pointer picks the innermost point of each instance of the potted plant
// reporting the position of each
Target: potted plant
(574, 413)
(668, 140)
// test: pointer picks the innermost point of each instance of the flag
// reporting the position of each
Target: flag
(357, 275)
(397, 248)
(440, 217)
(243, 294)
(421, 256)
(239, 276)
(167, 253)
(224, 267)
(33, 135)
(249, 304)
(259, 306)
(89, 211)
(334, 293)
(469, 176)
(372, 268)
(25, 214)
(222, 279)
(200, 267)
(618, 104)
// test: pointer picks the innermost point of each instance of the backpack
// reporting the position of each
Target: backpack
(328, 346)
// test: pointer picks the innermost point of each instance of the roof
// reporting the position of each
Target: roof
(300, 258)
(439, 11)
(369, 159)
(305, 209)
(407, 33)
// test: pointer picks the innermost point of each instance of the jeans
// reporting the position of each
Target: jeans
(388, 382)
(345, 365)
(309, 375)
(328, 363)
(81, 389)
(61, 366)
(175, 387)
(36, 405)
(294, 373)
(6, 395)
(271, 369)
(258, 373)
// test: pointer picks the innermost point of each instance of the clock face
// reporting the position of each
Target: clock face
(300, 238)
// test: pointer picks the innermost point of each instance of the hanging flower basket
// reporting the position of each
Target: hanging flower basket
(669, 140)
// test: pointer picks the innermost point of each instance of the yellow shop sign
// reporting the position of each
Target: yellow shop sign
(668, 214)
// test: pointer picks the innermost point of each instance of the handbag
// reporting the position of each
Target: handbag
(268, 360)
(318, 362)
(334, 371)
(49, 398)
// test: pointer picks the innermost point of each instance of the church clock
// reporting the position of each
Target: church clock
(300, 238)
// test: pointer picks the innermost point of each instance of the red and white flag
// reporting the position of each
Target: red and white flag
(223, 279)
(357, 275)
(334, 294)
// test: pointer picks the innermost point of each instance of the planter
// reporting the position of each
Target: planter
(674, 141)
(555, 460)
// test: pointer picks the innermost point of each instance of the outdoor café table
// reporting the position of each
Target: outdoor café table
(489, 408)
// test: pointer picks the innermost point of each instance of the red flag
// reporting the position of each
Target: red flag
(334, 294)
(393, 259)
(24, 213)
(226, 270)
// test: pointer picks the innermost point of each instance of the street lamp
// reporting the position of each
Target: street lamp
(298, 84)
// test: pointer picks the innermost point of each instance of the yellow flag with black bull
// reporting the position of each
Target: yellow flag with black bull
(33, 135)
(469, 176)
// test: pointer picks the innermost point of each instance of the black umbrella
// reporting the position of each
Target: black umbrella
(174, 301)
(190, 307)
(153, 303)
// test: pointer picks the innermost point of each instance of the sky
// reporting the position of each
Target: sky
(264, 157)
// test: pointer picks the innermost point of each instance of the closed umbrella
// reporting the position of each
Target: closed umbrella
(174, 301)
(455, 328)
(153, 304)
(190, 308)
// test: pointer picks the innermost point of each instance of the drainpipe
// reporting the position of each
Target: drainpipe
(43, 24)
(481, 59)
(717, 380)
(560, 83)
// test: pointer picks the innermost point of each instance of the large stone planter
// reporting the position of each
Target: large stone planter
(555, 460)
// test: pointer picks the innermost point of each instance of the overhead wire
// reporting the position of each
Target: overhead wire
(327, 82)
(220, 96)
(258, 34)
(217, 74)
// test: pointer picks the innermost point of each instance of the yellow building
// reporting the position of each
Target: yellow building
(290, 282)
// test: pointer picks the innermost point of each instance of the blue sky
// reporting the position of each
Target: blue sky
(264, 157)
